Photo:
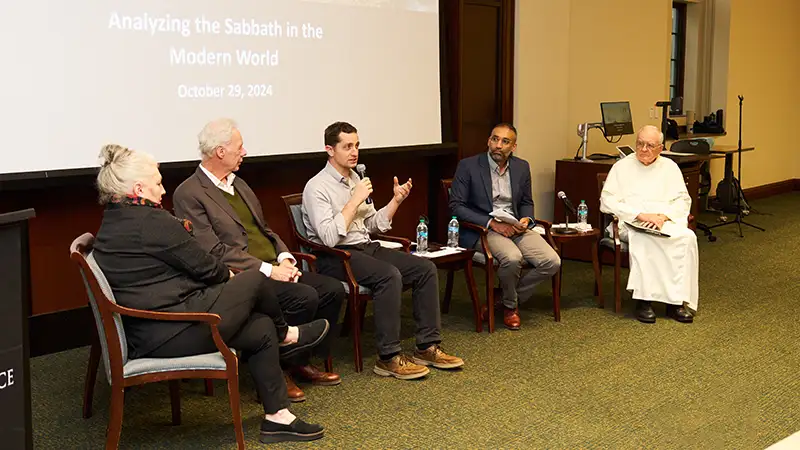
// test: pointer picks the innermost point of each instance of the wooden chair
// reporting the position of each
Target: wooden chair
(122, 372)
(613, 242)
(485, 260)
(357, 296)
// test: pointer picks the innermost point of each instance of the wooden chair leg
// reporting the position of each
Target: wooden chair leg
(236, 412)
(600, 270)
(175, 400)
(209, 387)
(91, 378)
(556, 280)
(448, 292)
(355, 327)
(598, 289)
(362, 314)
(617, 282)
(329, 364)
(490, 295)
(347, 321)
(473, 294)
(114, 429)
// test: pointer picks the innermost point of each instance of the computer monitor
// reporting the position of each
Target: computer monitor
(617, 120)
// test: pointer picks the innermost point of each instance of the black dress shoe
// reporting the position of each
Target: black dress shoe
(309, 335)
(298, 430)
(680, 314)
(644, 312)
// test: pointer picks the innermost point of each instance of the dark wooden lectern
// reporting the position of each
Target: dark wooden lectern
(15, 389)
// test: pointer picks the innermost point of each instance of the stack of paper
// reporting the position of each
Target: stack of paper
(582, 227)
(441, 252)
(388, 244)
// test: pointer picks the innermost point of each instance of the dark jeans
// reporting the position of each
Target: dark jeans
(314, 297)
(385, 272)
(252, 322)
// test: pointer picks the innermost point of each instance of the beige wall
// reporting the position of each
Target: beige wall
(764, 67)
(619, 50)
(567, 63)
(570, 56)
(541, 109)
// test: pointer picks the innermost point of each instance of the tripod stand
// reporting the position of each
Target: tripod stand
(738, 220)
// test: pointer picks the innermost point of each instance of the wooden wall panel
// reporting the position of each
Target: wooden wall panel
(63, 213)
(480, 76)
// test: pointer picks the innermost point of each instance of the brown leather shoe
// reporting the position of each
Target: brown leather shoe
(296, 395)
(434, 356)
(400, 367)
(316, 376)
(511, 318)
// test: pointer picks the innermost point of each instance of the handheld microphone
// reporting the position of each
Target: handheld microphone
(362, 172)
(566, 201)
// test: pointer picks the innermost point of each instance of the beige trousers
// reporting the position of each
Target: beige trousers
(511, 254)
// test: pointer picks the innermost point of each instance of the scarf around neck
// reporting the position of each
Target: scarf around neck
(134, 200)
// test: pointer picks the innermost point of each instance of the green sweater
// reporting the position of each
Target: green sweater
(258, 244)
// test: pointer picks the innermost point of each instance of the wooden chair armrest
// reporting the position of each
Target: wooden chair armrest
(211, 319)
(311, 260)
(166, 316)
(691, 221)
(406, 243)
(548, 231)
(615, 231)
(341, 254)
(344, 255)
(473, 227)
(484, 233)
(352, 284)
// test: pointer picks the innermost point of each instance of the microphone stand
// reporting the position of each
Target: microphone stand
(738, 220)
(566, 229)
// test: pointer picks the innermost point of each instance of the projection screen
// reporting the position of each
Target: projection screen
(148, 74)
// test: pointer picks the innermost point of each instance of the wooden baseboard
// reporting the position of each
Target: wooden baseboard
(768, 190)
(62, 330)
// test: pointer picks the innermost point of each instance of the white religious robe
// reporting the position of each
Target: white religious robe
(662, 269)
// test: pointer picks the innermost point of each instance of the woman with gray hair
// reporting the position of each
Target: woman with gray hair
(152, 262)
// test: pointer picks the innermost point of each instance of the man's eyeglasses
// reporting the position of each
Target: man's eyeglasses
(496, 139)
(649, 146)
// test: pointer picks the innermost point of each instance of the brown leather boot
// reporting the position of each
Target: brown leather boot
(316, 376)
(296, 394)
(511, 318)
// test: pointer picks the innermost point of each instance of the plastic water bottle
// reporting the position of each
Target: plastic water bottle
(583, 213)
(452, 233)
(422, 237)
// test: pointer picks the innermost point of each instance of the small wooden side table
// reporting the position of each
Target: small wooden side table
(592, 238)
(457, 261)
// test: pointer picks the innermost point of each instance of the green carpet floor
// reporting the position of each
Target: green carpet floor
(595, 380)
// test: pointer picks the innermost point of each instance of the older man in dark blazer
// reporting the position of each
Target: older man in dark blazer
(497, 184)
(228, 221)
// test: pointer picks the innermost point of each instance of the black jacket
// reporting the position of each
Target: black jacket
(153, 263)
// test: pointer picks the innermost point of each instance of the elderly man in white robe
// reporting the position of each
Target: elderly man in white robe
(646, 188)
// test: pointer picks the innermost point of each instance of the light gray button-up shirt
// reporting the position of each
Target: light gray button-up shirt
(501, 187)
(324, 197)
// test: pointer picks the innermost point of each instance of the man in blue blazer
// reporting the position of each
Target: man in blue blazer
(495, 184)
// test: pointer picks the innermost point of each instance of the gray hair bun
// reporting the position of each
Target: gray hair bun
(111, 153)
